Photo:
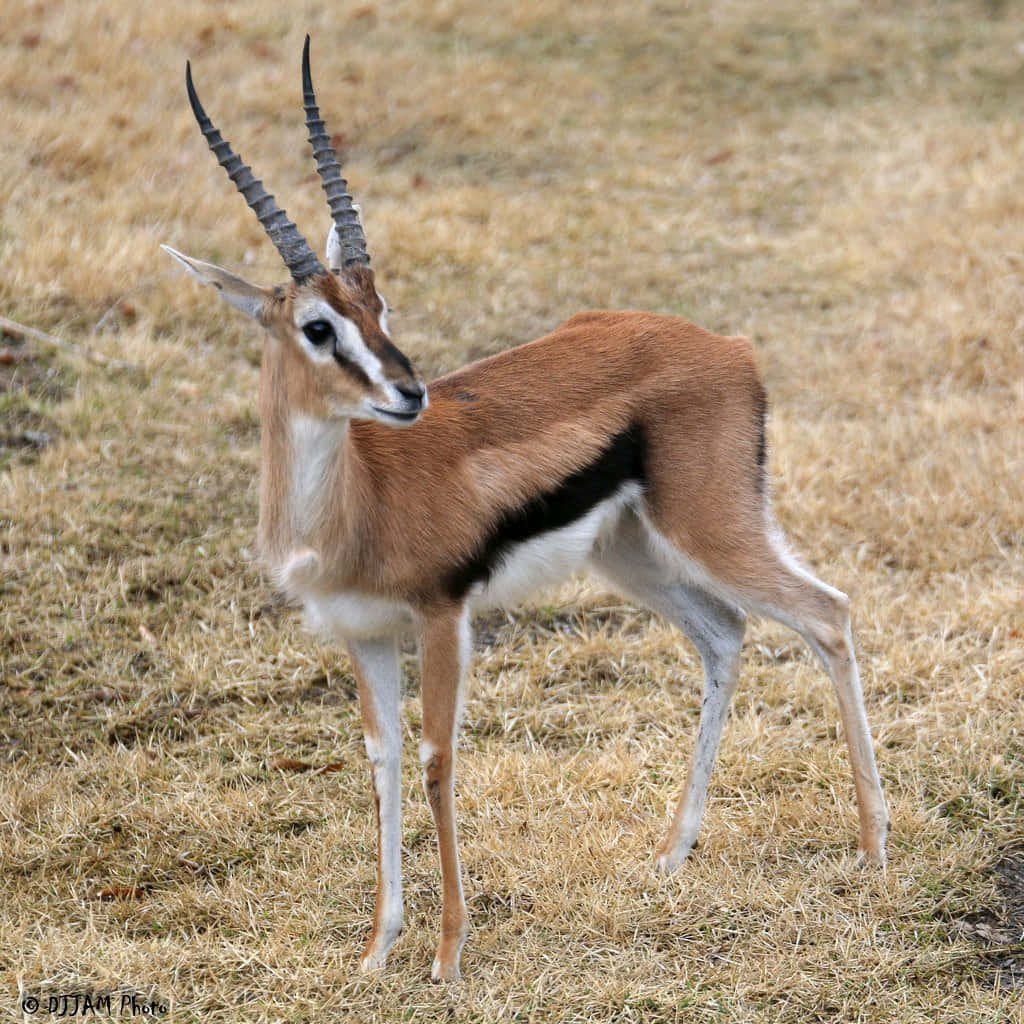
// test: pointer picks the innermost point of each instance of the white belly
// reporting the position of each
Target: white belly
(340, 614)
(350, 615)
(551, 557)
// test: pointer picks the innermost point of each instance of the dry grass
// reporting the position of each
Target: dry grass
(843, 182)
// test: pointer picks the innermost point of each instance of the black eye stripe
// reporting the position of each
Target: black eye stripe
(353, 369)
(319, 332)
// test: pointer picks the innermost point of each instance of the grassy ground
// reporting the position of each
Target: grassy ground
(842, 182)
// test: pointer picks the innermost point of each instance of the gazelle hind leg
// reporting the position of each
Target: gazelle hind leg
(841, 663)
(377, 670)
(821, 615)
(769, 582)
(716, 630)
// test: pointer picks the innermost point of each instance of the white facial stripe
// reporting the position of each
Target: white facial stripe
(349, 344)
(383, 319)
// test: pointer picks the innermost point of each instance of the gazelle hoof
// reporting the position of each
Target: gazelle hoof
(667, 861)
(444, 972)
(371, 963)
(872, 858)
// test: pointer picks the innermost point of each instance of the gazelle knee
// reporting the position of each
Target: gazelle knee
(380, 753)
(830, 629)
(437, 765)
(720, 642)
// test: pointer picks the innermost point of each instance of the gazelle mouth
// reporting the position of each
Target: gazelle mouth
(402, 417)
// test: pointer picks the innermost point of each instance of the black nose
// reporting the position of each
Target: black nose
(414, 393)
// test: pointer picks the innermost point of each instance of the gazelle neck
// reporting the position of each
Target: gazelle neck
(318, 463)
(305, 465)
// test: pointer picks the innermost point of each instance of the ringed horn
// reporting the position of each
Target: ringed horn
(294, 249)
(346, 216)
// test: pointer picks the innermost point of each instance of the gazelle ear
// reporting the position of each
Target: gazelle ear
(333, 249)
(249, 298)
(335, 260)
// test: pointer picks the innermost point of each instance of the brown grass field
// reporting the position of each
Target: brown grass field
(842, 182)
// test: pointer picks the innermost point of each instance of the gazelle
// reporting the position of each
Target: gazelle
(626, 443)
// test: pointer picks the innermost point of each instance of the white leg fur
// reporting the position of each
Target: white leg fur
(379, 672)
(716, 630)
(710, 611)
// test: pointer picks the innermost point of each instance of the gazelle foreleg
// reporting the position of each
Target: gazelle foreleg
(378, 673)
(444, 652)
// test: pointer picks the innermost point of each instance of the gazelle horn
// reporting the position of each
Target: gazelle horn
(294, 249)
(346, 218)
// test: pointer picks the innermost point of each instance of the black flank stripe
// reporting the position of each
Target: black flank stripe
(761, 414)
(620, 463)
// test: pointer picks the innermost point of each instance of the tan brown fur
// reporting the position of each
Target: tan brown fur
(623, 442)
(496, 434)
(441, 665)
(289, 383)
(649, 422)
(399, 509)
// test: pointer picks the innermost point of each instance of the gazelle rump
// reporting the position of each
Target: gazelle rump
(624, 443)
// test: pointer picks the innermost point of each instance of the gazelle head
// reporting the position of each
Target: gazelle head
(328, 346)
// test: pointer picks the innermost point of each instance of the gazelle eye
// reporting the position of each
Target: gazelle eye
(319, 332)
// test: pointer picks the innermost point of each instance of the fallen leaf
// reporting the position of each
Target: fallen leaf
(290, 764)
(121, 892)
(366, 14)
